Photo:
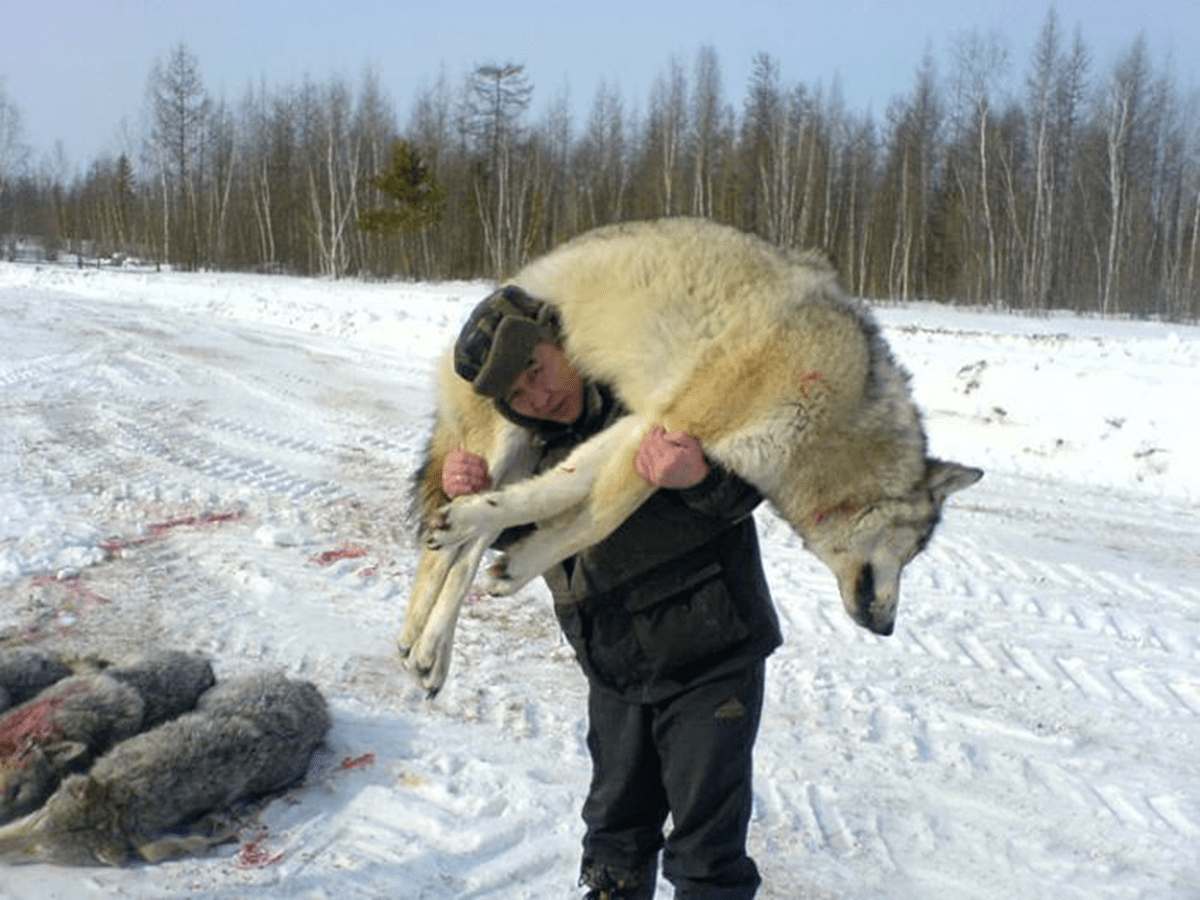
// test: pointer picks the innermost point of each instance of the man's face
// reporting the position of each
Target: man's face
(549, 389)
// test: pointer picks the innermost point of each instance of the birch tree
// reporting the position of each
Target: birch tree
(1121, 114)
(705, 126)
(602, 159)
(981, 62)
(1042, 88)
(770, 144)
(333, 167)
(908, 181)
(666, 130)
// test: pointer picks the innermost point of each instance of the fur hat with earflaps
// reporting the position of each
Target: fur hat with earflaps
(496, 344)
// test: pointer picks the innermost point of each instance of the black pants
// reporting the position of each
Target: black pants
(689, 756)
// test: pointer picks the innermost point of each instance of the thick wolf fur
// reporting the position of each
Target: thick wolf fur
(160, 794)
(25, 671)
(169, 683)
(67, 725)
(755, 351)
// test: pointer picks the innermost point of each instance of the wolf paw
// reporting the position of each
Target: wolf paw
(505, 577)
(460, 521)
(429, 661)
(499, 582)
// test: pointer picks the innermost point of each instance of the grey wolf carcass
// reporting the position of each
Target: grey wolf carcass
(155, 794)
(65, 726)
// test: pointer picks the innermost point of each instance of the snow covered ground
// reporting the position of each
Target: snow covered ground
(220, 463)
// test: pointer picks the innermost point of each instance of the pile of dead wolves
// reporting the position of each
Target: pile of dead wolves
(109, 762)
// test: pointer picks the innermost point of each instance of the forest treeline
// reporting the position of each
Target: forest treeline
(1047, 183)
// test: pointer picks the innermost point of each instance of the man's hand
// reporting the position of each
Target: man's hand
(671, 459)
(465, 473)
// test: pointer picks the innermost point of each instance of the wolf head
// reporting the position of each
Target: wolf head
(71, 828)
(866, 547)
(28, 779)
(86, 821)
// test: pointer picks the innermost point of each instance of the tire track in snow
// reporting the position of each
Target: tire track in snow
(1065, 595)
(229, 452)
(980, 626)
(37, 370)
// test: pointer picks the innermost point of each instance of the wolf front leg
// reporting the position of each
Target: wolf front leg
(518, 504)
(606, 464)
(543, 497)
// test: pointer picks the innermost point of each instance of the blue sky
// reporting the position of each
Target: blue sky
(79, 68)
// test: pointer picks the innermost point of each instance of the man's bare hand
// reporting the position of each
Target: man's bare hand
(671, 459)
(465, 473)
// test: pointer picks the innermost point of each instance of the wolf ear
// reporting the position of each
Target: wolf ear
(945, 478)
(81, 787)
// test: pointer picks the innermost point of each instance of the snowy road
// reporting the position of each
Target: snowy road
(221, 464)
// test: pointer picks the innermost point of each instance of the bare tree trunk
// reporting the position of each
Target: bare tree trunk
(669, 118)
(704, 130)
(166, 219)
(1191, 286)
(985, 202)
(1118, 128)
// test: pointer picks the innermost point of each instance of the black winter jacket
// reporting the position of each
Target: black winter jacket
(676, 595)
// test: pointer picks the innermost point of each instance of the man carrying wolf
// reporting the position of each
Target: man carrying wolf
(670, 618)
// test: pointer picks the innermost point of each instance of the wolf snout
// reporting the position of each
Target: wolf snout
(883, 628)
(870, 610)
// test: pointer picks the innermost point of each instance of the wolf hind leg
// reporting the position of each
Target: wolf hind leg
(207, 832)
(429, 654)
(445, 572)
(432, 568)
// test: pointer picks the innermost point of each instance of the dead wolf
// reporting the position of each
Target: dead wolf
(67, 725)
(677, 316)
(157, 794)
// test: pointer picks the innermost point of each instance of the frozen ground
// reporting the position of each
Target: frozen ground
(220, 463)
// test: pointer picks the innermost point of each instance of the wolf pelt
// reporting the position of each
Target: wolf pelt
(160, 794)
(64, 727)
(755, 351)
(25, 671)
(169, 683)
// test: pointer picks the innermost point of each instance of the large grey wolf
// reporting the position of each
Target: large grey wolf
(150, 794)
(752, 349)
(64, 727)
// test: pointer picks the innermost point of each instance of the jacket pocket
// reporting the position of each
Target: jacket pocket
(688, 628)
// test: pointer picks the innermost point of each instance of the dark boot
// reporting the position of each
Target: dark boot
(612, 883)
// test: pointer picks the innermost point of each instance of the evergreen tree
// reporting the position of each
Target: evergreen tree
(415, 195)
